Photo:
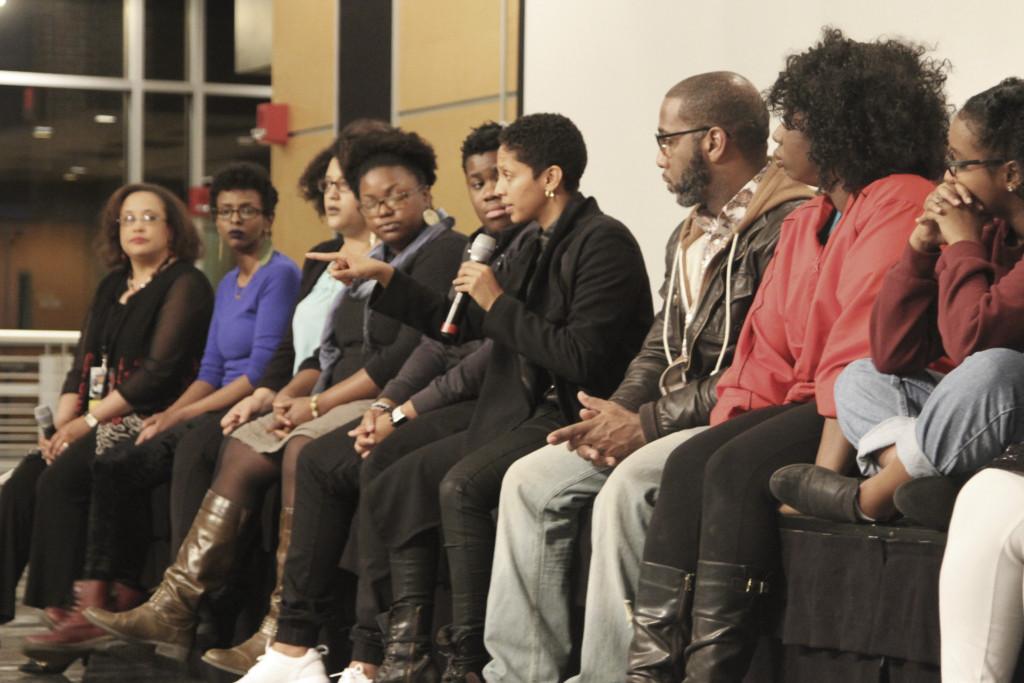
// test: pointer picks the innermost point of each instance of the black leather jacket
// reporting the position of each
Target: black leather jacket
(671, 398)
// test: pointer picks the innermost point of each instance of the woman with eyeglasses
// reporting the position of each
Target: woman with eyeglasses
(358, 352)
(567, 313)
(252, 306)
(139, 349)
(865, 122)
(958, 293)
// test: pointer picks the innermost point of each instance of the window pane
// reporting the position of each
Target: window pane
(63, 156)
(165, 39)
(229, 121)
(82, 37)
(166, 147)
(221, 56)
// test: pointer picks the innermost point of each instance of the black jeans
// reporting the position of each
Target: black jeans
(438, 432)
(714, 503)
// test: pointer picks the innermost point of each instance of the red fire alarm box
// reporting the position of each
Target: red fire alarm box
(199, 200)
(271, 123)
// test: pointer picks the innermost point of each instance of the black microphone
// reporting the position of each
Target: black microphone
(44, 418)
(480, 252)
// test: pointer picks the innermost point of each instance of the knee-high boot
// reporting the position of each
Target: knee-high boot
(242, 657)
(203, 561)
(407, 645)
(661, 624)
(726, 611)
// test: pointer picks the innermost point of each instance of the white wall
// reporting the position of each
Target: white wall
(607, 63)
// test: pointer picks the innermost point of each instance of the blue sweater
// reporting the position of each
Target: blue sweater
(246, 330)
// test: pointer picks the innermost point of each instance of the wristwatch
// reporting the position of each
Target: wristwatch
(91, 420)
(398, 417)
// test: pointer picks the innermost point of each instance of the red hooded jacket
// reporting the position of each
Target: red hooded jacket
(810, 317)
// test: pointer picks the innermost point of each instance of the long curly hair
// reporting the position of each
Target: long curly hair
(996, 117)
(868, 109)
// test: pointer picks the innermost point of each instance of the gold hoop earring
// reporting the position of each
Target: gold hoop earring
(550, 194)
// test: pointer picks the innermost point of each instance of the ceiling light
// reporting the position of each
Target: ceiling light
(70, 177)
(78, 170)
(3, 3)
(42, 132)
(102, 118)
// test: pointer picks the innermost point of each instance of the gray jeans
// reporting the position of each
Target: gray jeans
(939, 424)
(527, 628)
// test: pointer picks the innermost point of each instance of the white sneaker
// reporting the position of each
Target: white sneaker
(353, 674)
(274, 667)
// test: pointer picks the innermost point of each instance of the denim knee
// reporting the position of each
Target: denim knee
(993, 367)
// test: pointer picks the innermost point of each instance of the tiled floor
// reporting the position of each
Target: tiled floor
(123, 664)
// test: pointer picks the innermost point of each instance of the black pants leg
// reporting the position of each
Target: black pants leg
(326, 495)
(17, 505)
(120, 512)
(374, 594)
(673, 537)
(59, 524)
(468, 495)
(194, 461)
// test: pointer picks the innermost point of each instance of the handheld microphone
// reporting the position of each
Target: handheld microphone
(480, 252)
(44, 418)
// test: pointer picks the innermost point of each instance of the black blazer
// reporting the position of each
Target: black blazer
(573, 316)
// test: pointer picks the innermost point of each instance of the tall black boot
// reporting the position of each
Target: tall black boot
(726, 615)
(407, 646)
(661, 624)
(466, 654)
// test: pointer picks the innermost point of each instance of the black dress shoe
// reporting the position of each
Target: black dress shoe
(817, 491)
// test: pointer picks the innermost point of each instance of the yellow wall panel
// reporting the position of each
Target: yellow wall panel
(448, 51)
(303, 67)
(446, 129)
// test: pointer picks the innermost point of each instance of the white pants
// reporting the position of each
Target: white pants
(981, 611)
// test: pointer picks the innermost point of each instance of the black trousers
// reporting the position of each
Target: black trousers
(120, 512)
(43, 513)
(443, 485)
(195, 460)
(440, 430)
(714, 503)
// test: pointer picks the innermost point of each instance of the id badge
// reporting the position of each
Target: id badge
(97, 384)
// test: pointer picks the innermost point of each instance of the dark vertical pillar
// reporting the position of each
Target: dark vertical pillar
(522, 60)
(364, 60)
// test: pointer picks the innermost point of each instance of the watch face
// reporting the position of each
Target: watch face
(397, 416)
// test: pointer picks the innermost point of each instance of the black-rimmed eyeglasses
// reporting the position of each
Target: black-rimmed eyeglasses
(663, 138)
(953, 166)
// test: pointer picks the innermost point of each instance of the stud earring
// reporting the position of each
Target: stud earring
(550, 194)
(1010, 187)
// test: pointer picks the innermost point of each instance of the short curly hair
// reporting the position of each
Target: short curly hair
(543, 140)
(309, 181)
(868, 109)
(184, 244)
(394, 147)
(244, 175)
(481, 140)
(996, 117)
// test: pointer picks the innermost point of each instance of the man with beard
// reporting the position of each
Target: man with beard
(712, 144)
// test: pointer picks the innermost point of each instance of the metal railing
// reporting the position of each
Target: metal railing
(33, 364)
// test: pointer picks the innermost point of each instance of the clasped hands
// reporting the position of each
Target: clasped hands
(605, 435)
(951, 214)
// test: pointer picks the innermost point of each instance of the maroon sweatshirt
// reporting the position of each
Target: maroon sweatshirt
(969, 297)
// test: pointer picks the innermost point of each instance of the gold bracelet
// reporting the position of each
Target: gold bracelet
(312, 405)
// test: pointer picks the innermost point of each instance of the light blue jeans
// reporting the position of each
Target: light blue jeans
(527, 628)
(939, 424)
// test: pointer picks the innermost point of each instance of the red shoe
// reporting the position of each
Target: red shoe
(74, 634)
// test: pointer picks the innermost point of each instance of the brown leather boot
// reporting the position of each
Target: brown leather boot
(74, 634)
(242, 657)
(203, 561)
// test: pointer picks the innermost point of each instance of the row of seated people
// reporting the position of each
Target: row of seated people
(869, 325)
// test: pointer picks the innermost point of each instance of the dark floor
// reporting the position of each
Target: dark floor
(121, 663)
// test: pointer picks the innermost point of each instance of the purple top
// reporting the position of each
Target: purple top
(248, 322)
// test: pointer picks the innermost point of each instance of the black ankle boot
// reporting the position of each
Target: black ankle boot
(464, 648)
(726, 614)
(407, 656)
(661, 624)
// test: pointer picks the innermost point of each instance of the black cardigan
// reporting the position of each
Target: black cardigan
(154, 342)
(573, 315)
